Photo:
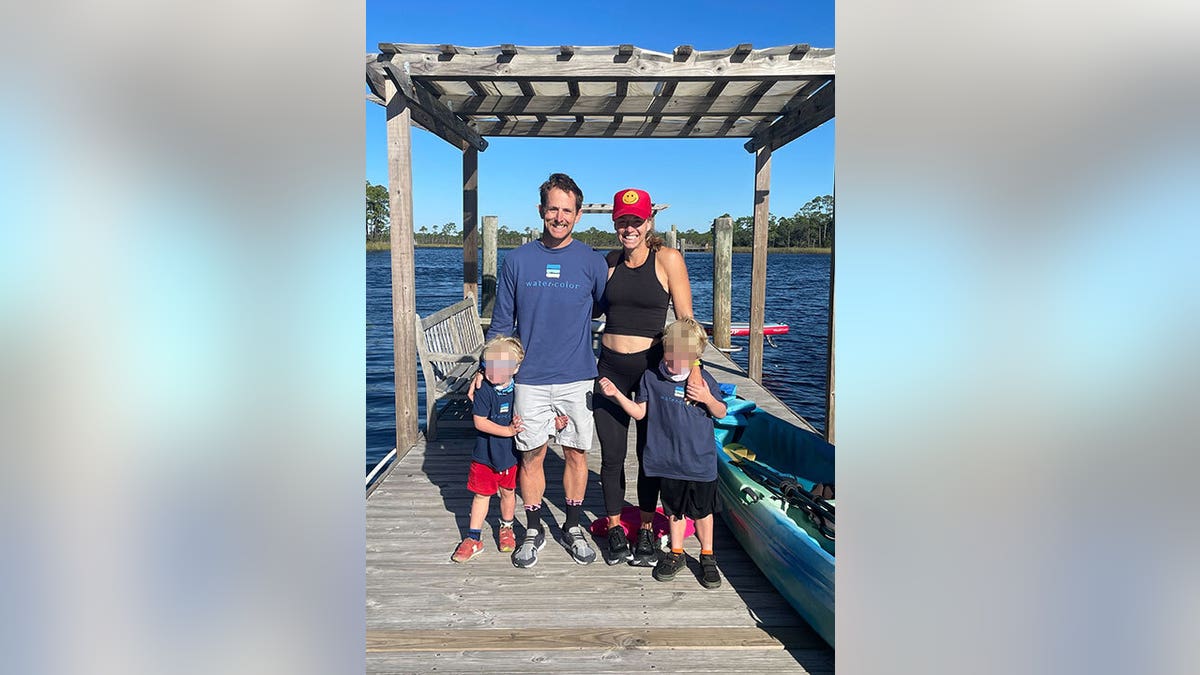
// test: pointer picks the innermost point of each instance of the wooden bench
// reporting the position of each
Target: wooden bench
(449, 343)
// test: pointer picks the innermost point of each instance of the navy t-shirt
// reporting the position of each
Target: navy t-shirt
(544, 296)
(679, 434)
(495, 451)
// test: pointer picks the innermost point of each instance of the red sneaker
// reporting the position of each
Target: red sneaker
(508, 540)
(469, 548)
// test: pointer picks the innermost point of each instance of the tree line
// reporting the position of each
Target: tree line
(810, 227)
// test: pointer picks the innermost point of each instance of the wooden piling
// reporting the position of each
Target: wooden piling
(470, 222)
(722, 280)
(758, 265)
(490, 232)
(671, 237)
(404, 295)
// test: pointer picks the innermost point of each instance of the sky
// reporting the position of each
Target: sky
(700, 178)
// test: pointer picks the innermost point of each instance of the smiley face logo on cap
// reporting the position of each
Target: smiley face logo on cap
(630, 197)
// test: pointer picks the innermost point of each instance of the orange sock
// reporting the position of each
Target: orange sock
(677, 551)
(706, 551)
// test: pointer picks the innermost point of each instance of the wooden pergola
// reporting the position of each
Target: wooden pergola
(465, 94)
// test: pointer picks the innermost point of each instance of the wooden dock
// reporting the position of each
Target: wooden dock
(425, 613)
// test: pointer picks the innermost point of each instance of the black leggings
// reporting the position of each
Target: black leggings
(612, 426)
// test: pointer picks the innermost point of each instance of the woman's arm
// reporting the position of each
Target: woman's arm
(677, 281)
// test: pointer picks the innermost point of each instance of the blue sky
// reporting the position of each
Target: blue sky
(699, 178)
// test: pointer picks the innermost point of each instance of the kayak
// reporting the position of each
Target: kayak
(743, 329)
(783, 531)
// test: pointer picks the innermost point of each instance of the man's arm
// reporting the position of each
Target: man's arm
(502, 311)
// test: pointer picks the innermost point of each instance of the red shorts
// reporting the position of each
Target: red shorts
(483, 479)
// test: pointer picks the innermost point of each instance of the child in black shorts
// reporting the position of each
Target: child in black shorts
(680, 448)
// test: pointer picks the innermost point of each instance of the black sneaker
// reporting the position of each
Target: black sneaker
(618, 546)
(710, 577)
(669, 566)
(644, 554)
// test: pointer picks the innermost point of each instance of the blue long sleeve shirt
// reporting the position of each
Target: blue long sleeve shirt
(544, 297)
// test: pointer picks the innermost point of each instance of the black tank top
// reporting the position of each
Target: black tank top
(637, 303)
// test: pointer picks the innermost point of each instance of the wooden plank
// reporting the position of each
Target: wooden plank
(404, 297)
(470, 167)
(665, 105)
(616, 662)
(758, 264)
(798, 99)
(629, 127)
(556, 639)
(607, 208)
(444, 314)
(376, 77)
(590, 64)
(722, 290)
(431, 113)
(812, 113)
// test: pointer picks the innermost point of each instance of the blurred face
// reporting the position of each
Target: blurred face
(631, 231)
(559, 216)
(678, 355)
(499, 366)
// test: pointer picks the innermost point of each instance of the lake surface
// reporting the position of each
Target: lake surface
(794, 370)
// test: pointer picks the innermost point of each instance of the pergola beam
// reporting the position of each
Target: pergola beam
(428, 112)
(607, 208)
(666, 106)
(810, 114)
(677, 127)
(622, 62)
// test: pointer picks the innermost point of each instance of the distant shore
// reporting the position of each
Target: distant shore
(384, 246)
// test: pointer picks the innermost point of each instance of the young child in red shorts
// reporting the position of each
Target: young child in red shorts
(494, 460)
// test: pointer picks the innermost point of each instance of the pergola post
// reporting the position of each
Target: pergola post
(404, 296)
(470, 222)
(758, 265)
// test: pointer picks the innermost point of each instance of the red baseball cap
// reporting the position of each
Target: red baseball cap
(631, 201)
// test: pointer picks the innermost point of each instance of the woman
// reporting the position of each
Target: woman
(642, 276)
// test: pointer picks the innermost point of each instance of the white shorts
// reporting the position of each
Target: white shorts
(539, 404)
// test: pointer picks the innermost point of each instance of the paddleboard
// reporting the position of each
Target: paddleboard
(743, 329)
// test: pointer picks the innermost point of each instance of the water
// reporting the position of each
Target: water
(794, 370)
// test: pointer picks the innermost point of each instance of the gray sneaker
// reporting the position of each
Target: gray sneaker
(576, 542)
(526, 553)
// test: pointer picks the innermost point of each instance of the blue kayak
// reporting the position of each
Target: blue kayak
(783, 532)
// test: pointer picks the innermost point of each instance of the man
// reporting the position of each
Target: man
(549, 286)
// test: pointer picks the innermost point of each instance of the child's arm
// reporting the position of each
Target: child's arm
(489, 427)
(635, 410)
(700, 393)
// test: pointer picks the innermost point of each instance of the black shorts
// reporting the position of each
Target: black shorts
(690, 498)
